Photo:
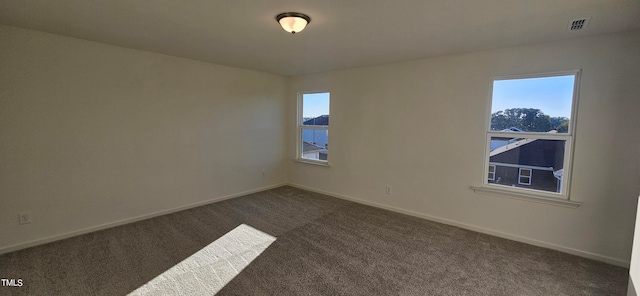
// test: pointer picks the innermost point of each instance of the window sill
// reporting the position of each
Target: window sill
(527, 197)
(314, 162)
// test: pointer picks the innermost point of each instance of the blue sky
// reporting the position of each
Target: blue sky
(315, 104)
(552, 95)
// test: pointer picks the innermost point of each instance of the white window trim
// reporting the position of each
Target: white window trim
(520, 176)
(493, 178)
(526, 193)
(300, 127)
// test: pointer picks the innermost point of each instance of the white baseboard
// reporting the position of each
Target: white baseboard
(589, 255)
(62, 236)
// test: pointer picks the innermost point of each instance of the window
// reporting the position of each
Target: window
(492, 173)
(531, 132)
(313, 127)
(524, 176)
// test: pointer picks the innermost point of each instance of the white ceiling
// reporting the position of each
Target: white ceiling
(342, 33)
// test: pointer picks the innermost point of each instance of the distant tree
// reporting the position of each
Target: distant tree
(527, 119)
(561, 124)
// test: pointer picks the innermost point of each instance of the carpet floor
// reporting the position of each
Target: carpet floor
(288, 241)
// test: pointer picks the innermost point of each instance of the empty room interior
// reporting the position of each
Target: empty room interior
(319, 147)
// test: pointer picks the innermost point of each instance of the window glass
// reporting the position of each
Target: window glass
(512, 164)
(315, 109)
(313, 127)
(315, 144)
(532, 104)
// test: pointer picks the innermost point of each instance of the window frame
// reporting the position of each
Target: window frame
(300, 127)
(520, 176)
(493, 178)
(568, 137)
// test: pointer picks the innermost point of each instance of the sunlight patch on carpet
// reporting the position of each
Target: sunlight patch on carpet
(212, 267)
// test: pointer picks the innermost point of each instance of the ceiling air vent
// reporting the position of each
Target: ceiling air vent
(579, 24)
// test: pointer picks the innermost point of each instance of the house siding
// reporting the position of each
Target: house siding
(540, 179)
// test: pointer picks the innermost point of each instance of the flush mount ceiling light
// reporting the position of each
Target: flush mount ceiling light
(293, 22)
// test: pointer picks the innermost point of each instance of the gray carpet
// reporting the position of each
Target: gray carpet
(288, 241)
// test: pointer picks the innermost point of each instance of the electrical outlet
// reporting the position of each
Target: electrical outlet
(24, 218)
(388, 190)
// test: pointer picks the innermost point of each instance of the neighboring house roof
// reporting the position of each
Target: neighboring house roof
(320, 120)
(512, 129)
(515, 144)
(540, 153)
(309, 147)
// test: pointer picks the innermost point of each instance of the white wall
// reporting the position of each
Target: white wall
(419, 127)
(92, 134)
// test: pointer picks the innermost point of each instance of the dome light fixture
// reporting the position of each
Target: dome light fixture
(293, 22)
